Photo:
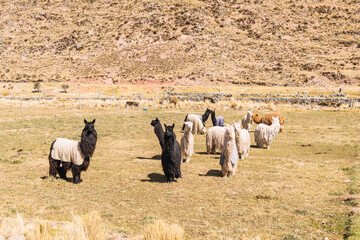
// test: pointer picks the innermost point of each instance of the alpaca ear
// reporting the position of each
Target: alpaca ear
(164, 125)
(157, 119)
(173, 125)
(85, 121)
(234, 122)
(93, 121)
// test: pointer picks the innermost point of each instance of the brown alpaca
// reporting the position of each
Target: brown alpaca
(267, 119)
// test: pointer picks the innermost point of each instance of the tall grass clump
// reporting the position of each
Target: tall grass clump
(87, 227)
(41, 231)
(160, 230)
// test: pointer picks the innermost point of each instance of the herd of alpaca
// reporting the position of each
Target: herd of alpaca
(231, 140)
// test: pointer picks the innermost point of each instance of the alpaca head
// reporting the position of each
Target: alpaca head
(169, 131)
(249, 113)
(154, 122)
(89, 127)
(256, 118)
(237, 127)
(203, 130)
(188, 126)
(229, 133)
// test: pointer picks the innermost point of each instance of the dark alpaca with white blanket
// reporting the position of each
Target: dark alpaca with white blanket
(171, 155)
(158, 130)
(217, 121)
(203, 118)
(77, 158)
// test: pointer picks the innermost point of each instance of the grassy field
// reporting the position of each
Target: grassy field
(303, 187)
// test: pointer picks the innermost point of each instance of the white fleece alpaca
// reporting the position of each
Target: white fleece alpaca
(246, 121)
(229, 153)
(214, 139)
(264, 134)
(187, 142)
(198, 126)
(242, 139)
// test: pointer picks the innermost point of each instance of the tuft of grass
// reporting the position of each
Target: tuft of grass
(160, 230)
(87, 227)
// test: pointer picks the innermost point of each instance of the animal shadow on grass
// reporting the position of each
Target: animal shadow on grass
(205, 153)
(254, 146)
(156, 177)
(212, 173)
(67, 179)
(155, 157)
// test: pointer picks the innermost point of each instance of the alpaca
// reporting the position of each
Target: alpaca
(203, 118)
(158, 130)
(242, 139)
(217, 121)
(246, 121)
(171, 155)
(214, 139)
(198, 126)
(65, 154)
(264, 134)
(187, 142)
(229, 154)
(267, 119)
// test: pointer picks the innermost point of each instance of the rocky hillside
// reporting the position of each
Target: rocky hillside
(296, 43)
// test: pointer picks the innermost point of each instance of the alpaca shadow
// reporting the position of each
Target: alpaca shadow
(156, 177)
(254, 146)
(155, 157)
(67, 179)
(205, 153)
(212, 173)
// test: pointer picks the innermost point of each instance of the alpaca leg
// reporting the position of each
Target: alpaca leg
(76, 174)
(53, 167)
(213, 150)
(62, 172)
(223, 171)
(208, 149)
(187, 159)
(267, 147)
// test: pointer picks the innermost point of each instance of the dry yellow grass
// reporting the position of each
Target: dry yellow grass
(87, 227)
(160, 230)
(289, 190)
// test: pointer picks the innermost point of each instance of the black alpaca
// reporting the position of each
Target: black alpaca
(158, 130)
(217, 121)
(86, 146)
(204, 117)
(171, 155)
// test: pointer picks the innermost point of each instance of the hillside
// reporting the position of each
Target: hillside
(295, 43)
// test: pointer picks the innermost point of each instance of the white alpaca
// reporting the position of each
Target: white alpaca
(229, 154)
(242, 139)
(246, 121)
(187, 142)
(264, 134)
(198, 126)
(214, 139)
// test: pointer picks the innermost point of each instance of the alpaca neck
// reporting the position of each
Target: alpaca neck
(205, 117)
(158, 129)
(213, 119)
(88, 143)
(169, 143)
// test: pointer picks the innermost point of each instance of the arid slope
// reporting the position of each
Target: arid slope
(297, 43)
